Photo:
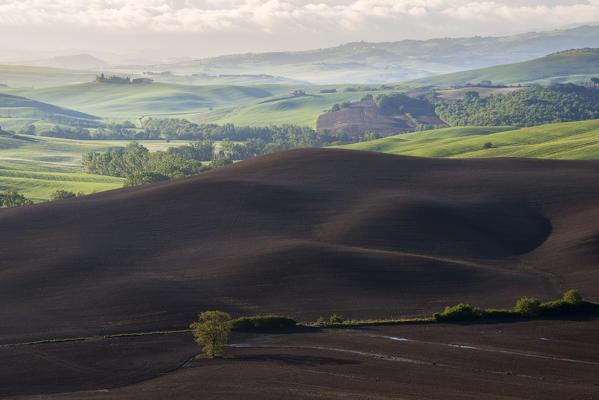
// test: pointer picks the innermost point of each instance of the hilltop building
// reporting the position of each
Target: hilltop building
(297, 92)
(120, 80)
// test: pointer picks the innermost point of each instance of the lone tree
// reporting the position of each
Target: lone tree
(212, 330)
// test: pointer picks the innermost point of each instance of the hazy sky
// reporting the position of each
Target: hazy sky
(198, 28)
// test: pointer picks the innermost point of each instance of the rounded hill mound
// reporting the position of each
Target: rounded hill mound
(303, 233)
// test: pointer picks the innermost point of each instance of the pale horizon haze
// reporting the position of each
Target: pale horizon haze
(154, 29)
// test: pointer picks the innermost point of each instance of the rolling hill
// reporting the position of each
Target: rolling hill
(355, 119)
(154, 99)
(366, 62)
(579, 65)
(303, 233)
(22, 107)
(286, 109)
(569, 141)
(75, 61)
(255, 105)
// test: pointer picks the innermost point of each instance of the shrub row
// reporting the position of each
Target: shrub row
(571, 304)
(263, 322)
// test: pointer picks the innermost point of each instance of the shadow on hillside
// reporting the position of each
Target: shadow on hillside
(295, 360)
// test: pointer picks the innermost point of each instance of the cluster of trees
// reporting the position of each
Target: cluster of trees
(16, 199)
(397, 103)
(259, 140)
(64, 194)
(288, 136)
(535, 106)
(119, 131)
(62, 132)
(13, 199)
(528, 307)
(137, 164)
(113, 131)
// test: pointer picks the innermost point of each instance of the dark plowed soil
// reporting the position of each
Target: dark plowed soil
(303, 233)
(528, 360)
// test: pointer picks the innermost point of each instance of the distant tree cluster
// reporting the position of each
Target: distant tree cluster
(535, 106)
(63, 132)
(285, 136)
(397, 103)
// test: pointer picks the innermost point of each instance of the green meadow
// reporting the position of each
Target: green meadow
(120, 101)
(571, 140)
(255, 105)
(299, 110)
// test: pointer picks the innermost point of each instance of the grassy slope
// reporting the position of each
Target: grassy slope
(567, 66)
(257, 105)
(17, 106)
(303, 110)
(572, 140)
(134, 101)
(38, 166)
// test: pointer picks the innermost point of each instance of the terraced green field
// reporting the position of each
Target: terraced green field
(38, 166)
(571, 140)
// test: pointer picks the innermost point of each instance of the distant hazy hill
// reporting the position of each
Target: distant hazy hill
(565, 66)
(395, 61)
(74, 61)
(77, 61)
(21, 76)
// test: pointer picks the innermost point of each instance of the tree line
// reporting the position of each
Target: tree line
(528, 107)
(284, 136)
(136, 163)
(139, 166)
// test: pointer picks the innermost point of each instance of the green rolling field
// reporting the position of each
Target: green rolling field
(571, 140)
(301, 110)
(115, 101)
(37, 166)
(258, 105)
(22, 107)
(563, 67)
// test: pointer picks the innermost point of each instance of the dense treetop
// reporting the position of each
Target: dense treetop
(535, 106)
